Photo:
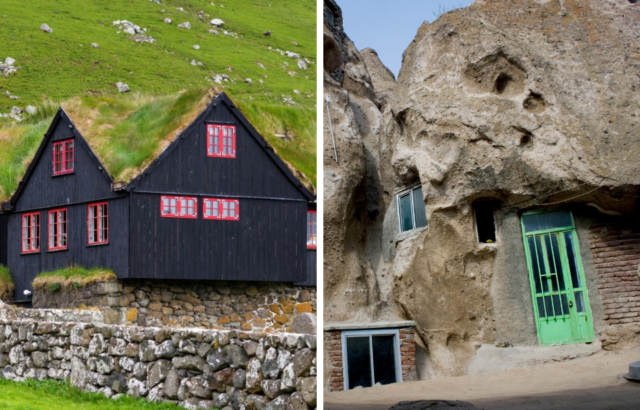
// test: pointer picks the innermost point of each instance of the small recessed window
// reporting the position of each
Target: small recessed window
(411, 209)
(63, 157)
(485, 222)
(221, 141)
(98, 224)
(31, 233)
(221, 209)
(179, 207)
(58, 230)
(312, 229)
(371, 357)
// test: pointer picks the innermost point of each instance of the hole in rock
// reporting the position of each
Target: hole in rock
(534, 103)
(502, 82)
(634, 1)
(485, 221)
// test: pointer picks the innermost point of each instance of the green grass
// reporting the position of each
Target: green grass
(62, 67)
(71, 277)
(55, 395)
(6, 281)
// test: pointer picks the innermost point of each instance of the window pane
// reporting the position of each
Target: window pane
(406, 217)
(384, 360)
(420, 211)
(541, 265)
(534, 264)
(575, 278)
(359, 361)
(546, 220)
(579, 301)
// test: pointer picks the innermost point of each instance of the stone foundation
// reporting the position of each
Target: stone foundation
(616, 255)
(213, 305)
(194, 368)
(333, 341)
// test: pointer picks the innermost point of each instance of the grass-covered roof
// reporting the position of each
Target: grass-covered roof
(128, 132)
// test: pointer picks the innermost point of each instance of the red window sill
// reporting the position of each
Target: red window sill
(180, 216)
(312, 247)
(57, 249)
(221, 156)
(98, 243)
(59, 174)
(30, 252)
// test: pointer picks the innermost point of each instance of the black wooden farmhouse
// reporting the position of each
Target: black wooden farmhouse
(216, 204)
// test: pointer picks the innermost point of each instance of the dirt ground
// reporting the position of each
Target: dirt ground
(588, 383)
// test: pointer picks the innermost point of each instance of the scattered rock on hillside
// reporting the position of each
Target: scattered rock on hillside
(294, 43)
(14, 97)
(122, 87)
(16, 110)
(45, 27)
(167, 20)
(292, 54)
(260, 81)
(95, 45)
(248, 81)
(217, 23)
(31, 109)
(259, 64)
(292, 73)
(212, 31)
(186, 25)
(7, 67)
(302, 65)
(196, 47)
(267, 33)
(141, 38)
(128, 27)
(181, 9)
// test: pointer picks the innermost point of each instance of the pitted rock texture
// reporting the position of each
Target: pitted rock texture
(529, 104)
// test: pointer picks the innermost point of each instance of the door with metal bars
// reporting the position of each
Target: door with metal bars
(560, 299)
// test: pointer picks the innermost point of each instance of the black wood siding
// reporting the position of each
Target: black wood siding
(312, 269)
(4, 218)
(24, 268)
(87, 183)
(188, 169)
(266, 244)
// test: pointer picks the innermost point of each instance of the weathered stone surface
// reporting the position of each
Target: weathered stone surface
(137, 388)
(236, 355)
(304, 323)
(280, 403)
(432, 404)
(217, 359)
(158, 372)
(194, 363)
(171, 384)
(148, 351)
(302, 361)
(166, 350)
(254, 376)
(271, 388)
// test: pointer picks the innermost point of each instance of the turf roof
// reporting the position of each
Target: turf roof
(126, 134)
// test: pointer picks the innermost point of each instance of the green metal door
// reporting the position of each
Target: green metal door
(560, 299)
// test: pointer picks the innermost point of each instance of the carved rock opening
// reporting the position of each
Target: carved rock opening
(534, 103)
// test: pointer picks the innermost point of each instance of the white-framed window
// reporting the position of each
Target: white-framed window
(370, 357)
(411, 210)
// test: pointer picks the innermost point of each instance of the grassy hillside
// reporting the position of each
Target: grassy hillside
(60, 67)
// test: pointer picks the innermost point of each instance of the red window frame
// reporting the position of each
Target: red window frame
(219, 143)
(31, 242)
(98, 224)
(63, 157)
(58, 232)
(221, 209)
(179, 207)
(312, 229)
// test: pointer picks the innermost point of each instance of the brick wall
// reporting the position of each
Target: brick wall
(616, 255)
(407, 357)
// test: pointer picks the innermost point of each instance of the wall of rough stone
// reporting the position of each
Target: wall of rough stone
(218, 305)
(195, 368)
(333, 342)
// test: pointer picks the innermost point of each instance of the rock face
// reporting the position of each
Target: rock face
(529, 104)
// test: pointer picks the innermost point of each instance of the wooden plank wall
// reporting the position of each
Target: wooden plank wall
(266, 244)
(3, 239)
(114, 255)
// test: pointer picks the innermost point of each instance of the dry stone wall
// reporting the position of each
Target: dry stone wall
(230, 305)
(195, 368)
